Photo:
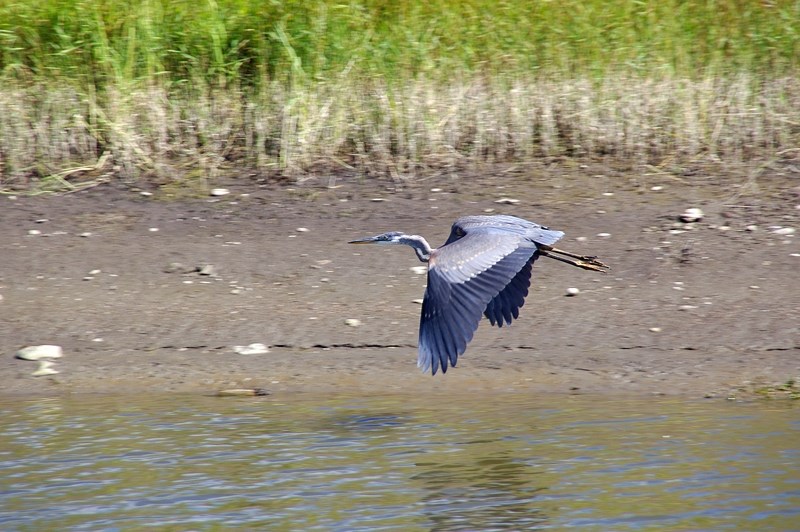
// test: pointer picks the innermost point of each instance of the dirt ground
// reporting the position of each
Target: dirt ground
(705, 310)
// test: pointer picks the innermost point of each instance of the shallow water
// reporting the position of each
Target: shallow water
(492, 462)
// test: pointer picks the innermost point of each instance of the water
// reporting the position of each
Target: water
(492, 462)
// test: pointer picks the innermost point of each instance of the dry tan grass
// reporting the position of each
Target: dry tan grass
(376, 128)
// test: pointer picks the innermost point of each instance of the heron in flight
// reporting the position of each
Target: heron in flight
(484, 268)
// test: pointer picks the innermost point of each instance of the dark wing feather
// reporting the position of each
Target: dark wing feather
(504, 308)
(464, 276)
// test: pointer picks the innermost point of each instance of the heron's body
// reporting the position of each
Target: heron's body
(483, 269)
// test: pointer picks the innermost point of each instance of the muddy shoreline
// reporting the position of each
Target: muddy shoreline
(111, 275)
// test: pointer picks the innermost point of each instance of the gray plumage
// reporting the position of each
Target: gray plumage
(483, 269)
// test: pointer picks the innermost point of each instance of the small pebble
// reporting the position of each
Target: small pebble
(303, 229)
(377, 200)
(177, 267)
(655, 329)
(153, 229)
(85, 235)
(436, 190)
(687, 307)
(220, 191)
(692, 214)
(572, 291)
(751, 228)
(419, 270)
(784, 231)
(252, 349)
(145, 193)
(352, 322)
(417, 301)
(507, 201)
(656, 188)
(243, 392)
(207, 269)
(34, 232)
(39, 352)
(604, 235)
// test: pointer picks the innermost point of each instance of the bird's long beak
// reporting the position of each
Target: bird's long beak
(365, 240)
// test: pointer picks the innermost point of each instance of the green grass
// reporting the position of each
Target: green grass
(246, 41)
(282, 85)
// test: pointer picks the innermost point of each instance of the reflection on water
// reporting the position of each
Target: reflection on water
(493, 462)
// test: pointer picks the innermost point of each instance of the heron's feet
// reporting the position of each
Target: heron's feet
(581, 261)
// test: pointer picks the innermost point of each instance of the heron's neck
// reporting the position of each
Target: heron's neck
(420, 245)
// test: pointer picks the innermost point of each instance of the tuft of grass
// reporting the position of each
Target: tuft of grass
(786, 390)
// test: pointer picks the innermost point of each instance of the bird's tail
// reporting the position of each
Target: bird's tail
(546, 237)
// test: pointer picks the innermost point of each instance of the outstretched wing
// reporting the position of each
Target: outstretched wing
(464, 276)
(504, 307)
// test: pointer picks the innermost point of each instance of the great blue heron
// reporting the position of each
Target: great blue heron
(484, 268)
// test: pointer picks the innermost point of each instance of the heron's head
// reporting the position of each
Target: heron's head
(392, 237)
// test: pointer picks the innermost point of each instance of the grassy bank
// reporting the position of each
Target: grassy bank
(175, 89)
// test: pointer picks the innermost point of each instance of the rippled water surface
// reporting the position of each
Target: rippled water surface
(492, 462)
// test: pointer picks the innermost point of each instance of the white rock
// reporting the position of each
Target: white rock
(419, 270)
(207, 270)
(45, 368)
(604, 235)
(352, 322)
(751, 228)
(572, 291)
(303, 229)
(242, 392)
(692, 214)
(784, 231)
(39, 352)
(252, 349)
(145, 193)
(656, 188)
(655, 329)
(220, 191)
(34, 232)
(507, 201)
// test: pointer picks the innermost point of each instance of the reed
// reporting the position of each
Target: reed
(170, 88)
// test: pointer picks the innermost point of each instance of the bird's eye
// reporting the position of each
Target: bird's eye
(459, 232)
